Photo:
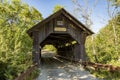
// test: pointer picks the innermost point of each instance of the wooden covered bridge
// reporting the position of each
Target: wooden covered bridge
(68, 35)
(63, 31)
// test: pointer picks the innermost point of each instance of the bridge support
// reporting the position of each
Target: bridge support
(36, 49)
(82, 46)
(79, 52)
(79, 49)
(82, 52)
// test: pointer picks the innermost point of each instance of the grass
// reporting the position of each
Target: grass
(33, 75)
(105, 75)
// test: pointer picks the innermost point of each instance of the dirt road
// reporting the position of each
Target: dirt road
(56, 69)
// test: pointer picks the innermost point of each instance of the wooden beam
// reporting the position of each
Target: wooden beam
(36, 51)
(61, 37)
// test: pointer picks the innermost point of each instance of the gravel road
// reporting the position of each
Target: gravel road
(53, 68)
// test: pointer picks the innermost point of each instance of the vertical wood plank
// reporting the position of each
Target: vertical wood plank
(36, 50)
(82, 46)
(79, 48)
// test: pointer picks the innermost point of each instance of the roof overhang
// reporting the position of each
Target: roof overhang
(68, 15)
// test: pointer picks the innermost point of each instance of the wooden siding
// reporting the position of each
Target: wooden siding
(36, 51)
(45, 30)
(73, 30)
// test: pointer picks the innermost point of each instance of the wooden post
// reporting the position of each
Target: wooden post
(40, 54)
(82, 52)
(36, 50)
(76, 52)
(79, 48)
(82, 46)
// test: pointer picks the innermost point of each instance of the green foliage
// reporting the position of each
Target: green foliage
(107, 51)
(106, 75)
(115, 2)
(15, 50)
(56, 8)
(104, 43)
(34, 74)
(49, 48)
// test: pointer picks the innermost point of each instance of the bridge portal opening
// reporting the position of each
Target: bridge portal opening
(61, 44)
(48, 50)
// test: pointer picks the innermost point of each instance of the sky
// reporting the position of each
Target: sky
(99, 15)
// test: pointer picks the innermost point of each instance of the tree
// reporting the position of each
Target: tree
(113, 4)
(56, 8)
(15, 50)
(85, 13)
(104, 42)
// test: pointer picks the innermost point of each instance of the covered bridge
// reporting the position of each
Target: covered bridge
(63, 31)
